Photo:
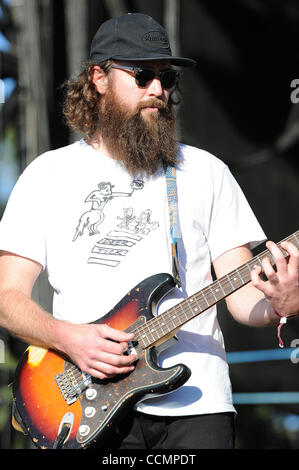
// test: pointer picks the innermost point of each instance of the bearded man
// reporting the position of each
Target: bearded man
(122, 103)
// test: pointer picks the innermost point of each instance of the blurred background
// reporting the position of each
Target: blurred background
(240, 103)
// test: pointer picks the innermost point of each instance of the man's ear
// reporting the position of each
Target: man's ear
(100, 79)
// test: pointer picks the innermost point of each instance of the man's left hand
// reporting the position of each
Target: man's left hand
(282, 285)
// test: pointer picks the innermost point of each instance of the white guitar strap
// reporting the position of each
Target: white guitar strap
(174, 220)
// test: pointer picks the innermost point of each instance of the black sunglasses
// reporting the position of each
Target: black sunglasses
(143, 76)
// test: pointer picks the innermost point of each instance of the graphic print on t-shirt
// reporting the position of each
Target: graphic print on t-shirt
(129, 229)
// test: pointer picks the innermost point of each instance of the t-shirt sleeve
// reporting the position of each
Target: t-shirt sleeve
(22, 227)
(232, 221)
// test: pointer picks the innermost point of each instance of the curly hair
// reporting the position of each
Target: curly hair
(81, 106)
(81, 101)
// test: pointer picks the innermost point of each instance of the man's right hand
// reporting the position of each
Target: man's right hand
(96, 349)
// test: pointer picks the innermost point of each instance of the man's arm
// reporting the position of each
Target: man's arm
(89, 346)
(255, 304)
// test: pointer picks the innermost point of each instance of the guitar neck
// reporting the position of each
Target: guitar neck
(167, 322)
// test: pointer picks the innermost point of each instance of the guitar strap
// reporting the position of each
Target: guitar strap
(174, 220)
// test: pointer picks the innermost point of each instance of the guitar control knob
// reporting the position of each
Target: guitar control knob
(90, 411)
(84, 430)
(91, 393)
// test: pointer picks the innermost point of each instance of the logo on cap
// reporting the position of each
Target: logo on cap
(156, 39)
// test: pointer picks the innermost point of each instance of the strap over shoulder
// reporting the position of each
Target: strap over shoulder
(174, 220)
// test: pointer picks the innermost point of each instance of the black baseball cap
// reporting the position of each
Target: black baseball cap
(133, 36)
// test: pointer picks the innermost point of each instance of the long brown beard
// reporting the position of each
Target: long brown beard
(140, 145)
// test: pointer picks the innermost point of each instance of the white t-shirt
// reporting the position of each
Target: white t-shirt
(99, 232)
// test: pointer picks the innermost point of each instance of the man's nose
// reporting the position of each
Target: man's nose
(155, 88)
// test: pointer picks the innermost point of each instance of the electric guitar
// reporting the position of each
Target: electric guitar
(59, 406)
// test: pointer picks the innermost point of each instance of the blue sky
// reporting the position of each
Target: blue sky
(5, 46)
(8, 165)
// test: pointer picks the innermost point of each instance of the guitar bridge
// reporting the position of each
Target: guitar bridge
(72, 382)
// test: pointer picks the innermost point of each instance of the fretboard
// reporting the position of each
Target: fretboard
(162, 325)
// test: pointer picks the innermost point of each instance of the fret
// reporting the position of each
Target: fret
(143, 336)
(172, 316)
(241, 279)
(140, 340)
(188, 302)
(221, 284)
(153, 331)
(197, 309)
(250, 266)
(203, 295)
(213, 293)
(226, 286)
(144, 339)
(162, 324)
(236, 280)
(228, 277)
(217, 290)
(198, 303)
(208, 296)
(147, 326)
(158, 330)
